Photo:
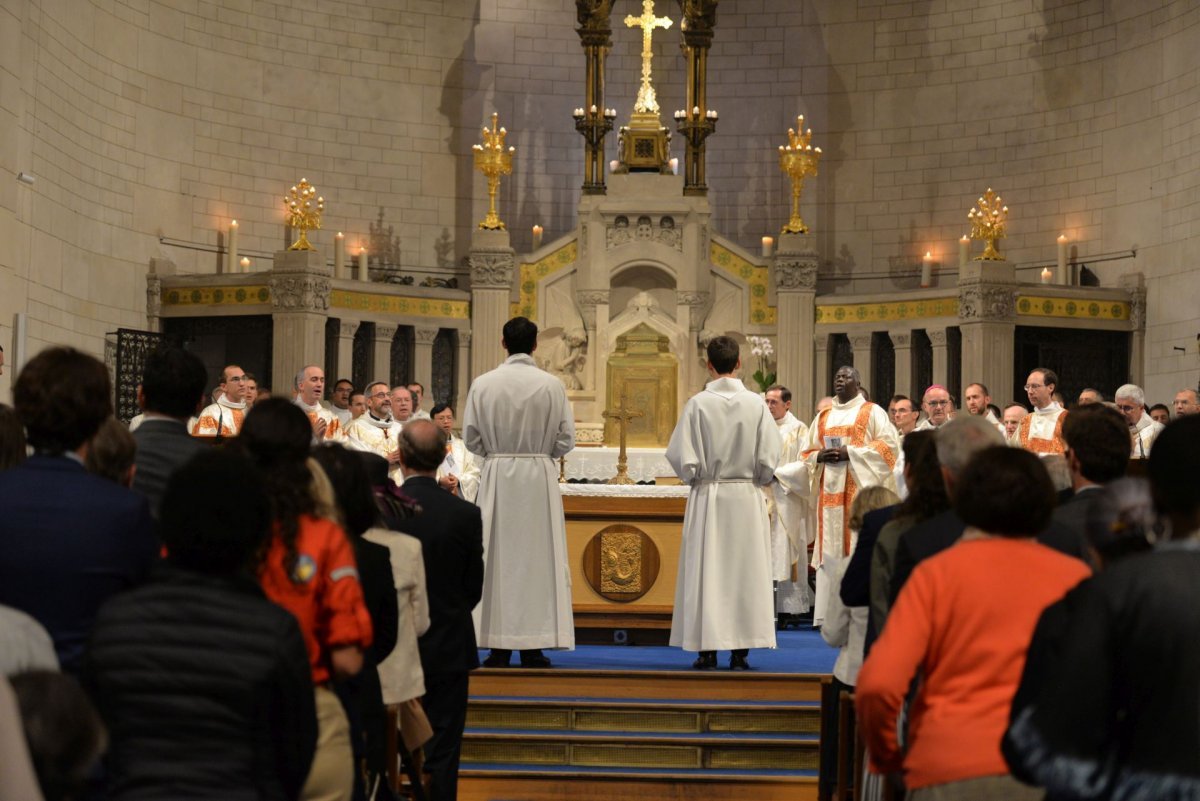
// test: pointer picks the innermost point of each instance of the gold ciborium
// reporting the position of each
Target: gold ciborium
(303, 212)
(798, 159)
(989, 222)
(493, 160)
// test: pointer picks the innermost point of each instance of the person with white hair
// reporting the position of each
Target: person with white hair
(1143, 429)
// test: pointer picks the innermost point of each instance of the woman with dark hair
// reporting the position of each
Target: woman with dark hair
(12, 438)
(962, 624)
(310, 570)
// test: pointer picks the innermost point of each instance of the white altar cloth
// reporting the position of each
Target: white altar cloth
(645, 464)
(624, 490)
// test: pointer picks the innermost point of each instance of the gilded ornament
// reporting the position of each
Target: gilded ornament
(493, 160)
(303, 208)
(798, 159)
(989, 223)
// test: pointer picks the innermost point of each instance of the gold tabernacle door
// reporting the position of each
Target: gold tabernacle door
(643, 368)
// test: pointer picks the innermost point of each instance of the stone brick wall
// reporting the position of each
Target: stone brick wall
(149, 118)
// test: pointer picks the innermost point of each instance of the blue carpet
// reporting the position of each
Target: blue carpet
(797, 652)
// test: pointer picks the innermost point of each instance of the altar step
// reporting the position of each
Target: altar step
(536, 735)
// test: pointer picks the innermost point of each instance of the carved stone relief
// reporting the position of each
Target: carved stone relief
(985, 302)
(299, 292)
(644, 229)
(796, 274)
(425, 336)
(492, 269)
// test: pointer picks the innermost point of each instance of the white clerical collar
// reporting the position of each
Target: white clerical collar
(725, 386)
(853, 403)
(310, 409)
(787, 420)
(1050, 408)
(223, 401)
(521, 358)
(1144, 422)
(386, 425)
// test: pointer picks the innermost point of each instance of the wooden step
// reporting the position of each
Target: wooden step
(684, 685)
(481, 783)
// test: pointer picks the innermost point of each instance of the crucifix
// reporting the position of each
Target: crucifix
(646, 101)
(623, 415)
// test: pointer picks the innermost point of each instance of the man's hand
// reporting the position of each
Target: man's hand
(319, 428)
(393, 457)
(449, 482)
(834, 455)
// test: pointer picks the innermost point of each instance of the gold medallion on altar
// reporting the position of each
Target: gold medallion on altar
(621, 563)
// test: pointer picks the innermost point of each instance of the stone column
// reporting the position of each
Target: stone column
(1135, 284)
(988, 320)
(902, 344)
(423, 337)
(299, 286)
(819, 387)
(941, 365)
(463, 372)
(492, 262)
(381, 358)
(158, 268)
(345, 350)
(863, 361)
(795, 269)
(590, 301)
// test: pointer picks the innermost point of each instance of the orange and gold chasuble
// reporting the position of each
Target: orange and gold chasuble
(1042, 446)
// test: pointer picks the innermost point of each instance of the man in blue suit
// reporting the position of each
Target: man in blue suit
(68, 539)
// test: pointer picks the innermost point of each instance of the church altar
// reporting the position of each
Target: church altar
(600, 464)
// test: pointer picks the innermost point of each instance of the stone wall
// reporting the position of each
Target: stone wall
(144, 119)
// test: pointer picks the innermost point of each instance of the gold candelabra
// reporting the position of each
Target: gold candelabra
(303, 212)
(989, 223)
(493, 160)
(798, 159)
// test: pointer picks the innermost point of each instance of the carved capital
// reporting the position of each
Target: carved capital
(348, 328)
(902, 339)
(464, 338)
(491, 269)
(695, 299)
(795, 274)
(1137, 309)
(861, 343)
(699, 20)
(588, 300)
(821, 342)
(385, 332)
(937, 336)
(986, 302)
(424, 336)
(153, 297)
(299, 292)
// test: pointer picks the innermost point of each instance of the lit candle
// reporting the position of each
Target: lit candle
(363, 275)
(245, 262)
(768, 243)
(1062, 259)
(1047, 276)
(231, 263)
(674, 166)
(695, 111)
(593, 108)
(612, 165)
(964, 251)
(927, 269)
(537, 237)
(339, 255)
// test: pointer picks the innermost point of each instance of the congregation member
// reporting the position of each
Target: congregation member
(418, 395)
(1187, 401)
(69, 540)
(111, 452)
(1013, 414)
(788, 514)
(203, 683)
(339, 401)
(459, 471)
(1041, 430)
(1160, 413)
(1143, 430)
(725, 446)
(979, 402)
(12, 438)
(51, 738)
(376, 432)
(224, 416)
(1097, 453)
(1089, 396)
(310, 388)
(850, 446)
(402, 404)
(959, 625)
(358, 405)
(938, 408)
(249, 390)
(309, 569)
(1116, 712)
(518, 420)
(450, 531)
(171, 390)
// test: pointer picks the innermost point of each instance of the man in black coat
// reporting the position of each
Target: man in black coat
(451, 534)
(1097, 453)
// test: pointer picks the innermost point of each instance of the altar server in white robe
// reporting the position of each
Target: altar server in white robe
(376, 431)
(459, 471)
(850, 446)
(518, 421)
(1040, 431)
(788, 513)
(725, 446)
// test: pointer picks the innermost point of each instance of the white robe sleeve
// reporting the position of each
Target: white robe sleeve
(871, 463)
(802, 475)
(472, 435)
(767, 452)
(681, 450)
(468, 479)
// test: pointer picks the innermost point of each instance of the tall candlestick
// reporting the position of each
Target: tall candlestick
(768, 243)
(964, 251)
(339, 255)
(363, 275)
(245, 264)
(927, 269)
(231, 263)
(1062, 259)
(537, 236)
(1047, 276)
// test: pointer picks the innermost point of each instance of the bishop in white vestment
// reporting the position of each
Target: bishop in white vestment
(725, 446)
(518, 421)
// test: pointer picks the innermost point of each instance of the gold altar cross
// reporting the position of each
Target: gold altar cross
(623, 415)
(646, 101)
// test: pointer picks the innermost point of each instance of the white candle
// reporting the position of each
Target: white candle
(1047, 276)
(674, 166)
(612, 165)
(1062, 259)
(232, 262)
(339, 255)
(537, 237)
(964, 251)
(363, 275)
(768, 246)
(927, 269)
(245, 263)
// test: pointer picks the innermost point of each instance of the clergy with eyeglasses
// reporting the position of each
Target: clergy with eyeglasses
(376, 431)
(1041, 430)
(223, 418)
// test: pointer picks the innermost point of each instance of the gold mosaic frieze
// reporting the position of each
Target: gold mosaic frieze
(1074, 308)
(216, 296)
(886, 312)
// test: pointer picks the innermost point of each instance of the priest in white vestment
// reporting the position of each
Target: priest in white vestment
(376, 431)
(1040, 431)
(725, 446)
(459, 471)
(339, 402)
(1143, 429)
(518, 421)
(310, 386)
(224, 417)
(850, 446)
(788, 513)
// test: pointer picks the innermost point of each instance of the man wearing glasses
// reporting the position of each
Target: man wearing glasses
(1041, 430)
(224, 418)
(376, 431)
(938, 408)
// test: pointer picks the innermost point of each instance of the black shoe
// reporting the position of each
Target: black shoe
(737, 660)
(534, 659)
(497, 658)
(706, 661)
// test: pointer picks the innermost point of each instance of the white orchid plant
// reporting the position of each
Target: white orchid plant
(764, 351)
